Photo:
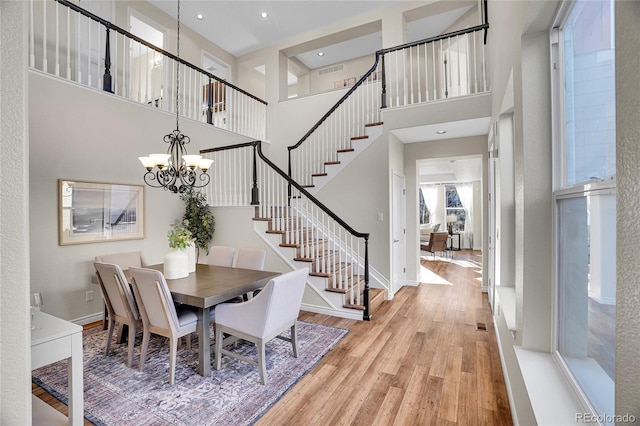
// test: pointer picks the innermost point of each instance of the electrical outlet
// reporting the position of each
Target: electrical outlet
(89, 296)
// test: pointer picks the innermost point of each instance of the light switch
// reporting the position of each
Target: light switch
(380, 217)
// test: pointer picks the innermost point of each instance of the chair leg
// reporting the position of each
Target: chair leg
(143, 351)
(131, 342)
(218, 347)
(262, 365)
(173, 349)
(294, 338)
(111, 325)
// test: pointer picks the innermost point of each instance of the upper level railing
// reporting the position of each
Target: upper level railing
(244, 176)
(442, 67)
(74, 44)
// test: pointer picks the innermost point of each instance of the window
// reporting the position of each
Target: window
(456, 214)
(425, 215)
(585, 200)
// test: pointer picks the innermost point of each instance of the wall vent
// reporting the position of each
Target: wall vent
(330, 70)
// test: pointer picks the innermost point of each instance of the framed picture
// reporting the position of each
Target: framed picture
(90, 212)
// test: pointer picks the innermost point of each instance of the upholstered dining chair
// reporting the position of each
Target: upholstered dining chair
(120, 304)
(221, 256)
(159, 314)
(437, 243)
(262, 318)
(124, 260)
(251, 258)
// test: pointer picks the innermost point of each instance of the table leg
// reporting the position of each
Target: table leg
(204, 342)
(76, 383)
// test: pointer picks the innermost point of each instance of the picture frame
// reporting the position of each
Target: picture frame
(93, 212)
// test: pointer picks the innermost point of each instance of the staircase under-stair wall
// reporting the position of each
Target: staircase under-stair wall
(327, 292)
(344, 156)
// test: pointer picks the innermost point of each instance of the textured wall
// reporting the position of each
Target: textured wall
(628, 220)
(15, 355)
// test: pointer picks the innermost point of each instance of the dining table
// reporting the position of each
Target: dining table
(208, 286)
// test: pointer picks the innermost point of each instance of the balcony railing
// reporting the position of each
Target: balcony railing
(442, 67)
(74, 44)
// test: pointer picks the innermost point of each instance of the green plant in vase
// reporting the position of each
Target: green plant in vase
(198, 218)
(180, 237)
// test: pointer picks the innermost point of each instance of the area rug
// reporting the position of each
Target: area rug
(115, 394)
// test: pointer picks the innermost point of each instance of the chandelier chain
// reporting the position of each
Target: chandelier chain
(178, 69)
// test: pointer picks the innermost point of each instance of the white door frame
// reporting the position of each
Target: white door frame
(398, 233)
(491, 244)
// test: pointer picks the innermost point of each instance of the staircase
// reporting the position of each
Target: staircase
(344, 156)
(336, 271)
(300, 229)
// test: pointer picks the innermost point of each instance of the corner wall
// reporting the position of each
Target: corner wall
(15, 328)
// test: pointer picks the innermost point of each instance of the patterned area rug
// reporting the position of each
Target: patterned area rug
(115, 394)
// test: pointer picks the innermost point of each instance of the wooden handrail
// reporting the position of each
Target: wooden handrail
(110, 26)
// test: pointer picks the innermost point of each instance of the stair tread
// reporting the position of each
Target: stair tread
(379, 123)
(345, 150)
(355, 138)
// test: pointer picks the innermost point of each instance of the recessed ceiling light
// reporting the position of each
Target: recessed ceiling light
(320, 54)
(264, 15)
(441, 132)
(199, 16)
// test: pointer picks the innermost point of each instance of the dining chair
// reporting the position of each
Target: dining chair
(221, 256)
(159, 314)
(437, 243)
(124, 260)
(120, 304)
(251, 258)
(262, 318)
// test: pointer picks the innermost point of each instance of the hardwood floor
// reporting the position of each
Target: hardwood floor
(428, 357)
(424, 358)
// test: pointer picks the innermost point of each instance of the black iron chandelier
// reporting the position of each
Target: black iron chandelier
(176, 171)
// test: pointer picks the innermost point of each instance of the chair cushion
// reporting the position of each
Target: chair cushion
(187, 315)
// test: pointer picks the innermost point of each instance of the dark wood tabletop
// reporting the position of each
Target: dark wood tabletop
(211, 285)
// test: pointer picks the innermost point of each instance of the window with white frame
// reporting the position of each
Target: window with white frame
(583, 70)
(456, 214)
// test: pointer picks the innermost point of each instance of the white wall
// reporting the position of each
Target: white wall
(15, 342)
(100, 143)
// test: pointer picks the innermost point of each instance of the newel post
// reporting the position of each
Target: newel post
(255, 198)
(367, 315)
(383, 100)
(209, 103)
(106, 78)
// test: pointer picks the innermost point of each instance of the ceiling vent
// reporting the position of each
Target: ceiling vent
(330, 70)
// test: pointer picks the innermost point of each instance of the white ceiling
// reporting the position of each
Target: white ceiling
(467, 169)
(452, 129)
(237, 27)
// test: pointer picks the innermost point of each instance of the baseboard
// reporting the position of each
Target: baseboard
(356, 315)
(88, 319)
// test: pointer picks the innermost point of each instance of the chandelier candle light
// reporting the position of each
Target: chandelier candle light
(176, 171)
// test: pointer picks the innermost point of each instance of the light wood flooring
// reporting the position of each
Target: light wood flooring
(427, 357)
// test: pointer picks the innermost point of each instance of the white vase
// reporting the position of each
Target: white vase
(176, 265)
(191, 254)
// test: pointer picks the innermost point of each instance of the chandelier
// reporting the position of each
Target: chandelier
(176, 171)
